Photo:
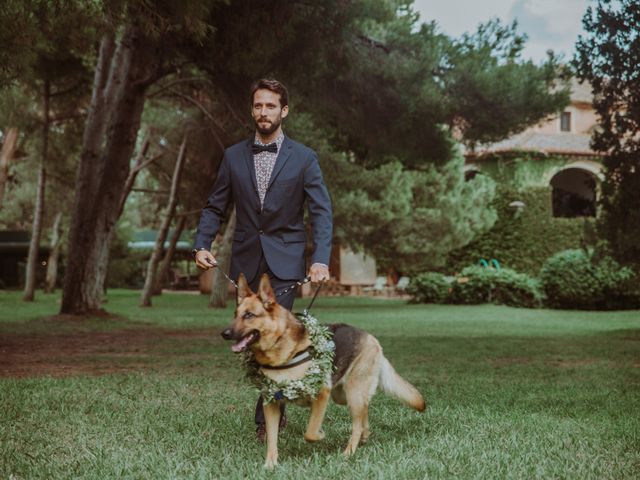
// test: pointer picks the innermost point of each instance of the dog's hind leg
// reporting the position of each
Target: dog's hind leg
(358, 410)
(272, 418)
(365, 428)
(318, 408)
(359, 387)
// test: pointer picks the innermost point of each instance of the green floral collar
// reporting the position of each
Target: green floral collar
(318, 374)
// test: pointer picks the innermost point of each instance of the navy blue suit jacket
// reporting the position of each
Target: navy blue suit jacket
(277, 229)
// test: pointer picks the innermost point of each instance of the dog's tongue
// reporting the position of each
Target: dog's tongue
(242, 344)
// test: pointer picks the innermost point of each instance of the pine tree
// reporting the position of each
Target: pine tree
(608, 58)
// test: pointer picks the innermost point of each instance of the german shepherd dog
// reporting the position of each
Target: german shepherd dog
(275, 336)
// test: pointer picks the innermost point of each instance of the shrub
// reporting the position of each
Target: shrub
(504, 286)
(126, 272)
(429, 287)
(522, 241)
(576, 279)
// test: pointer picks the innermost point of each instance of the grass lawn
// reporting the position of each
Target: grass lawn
(156, 393)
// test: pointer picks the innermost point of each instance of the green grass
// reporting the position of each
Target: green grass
(511, 393)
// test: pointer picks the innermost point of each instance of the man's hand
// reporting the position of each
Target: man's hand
(205, 260)
(319, 272)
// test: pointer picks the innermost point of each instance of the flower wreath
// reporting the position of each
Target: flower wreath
(317, 375)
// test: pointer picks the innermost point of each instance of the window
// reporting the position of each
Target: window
(565, 122)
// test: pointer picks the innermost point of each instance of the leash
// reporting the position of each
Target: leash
(306, 279)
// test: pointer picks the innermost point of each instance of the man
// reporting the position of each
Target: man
(268, 178)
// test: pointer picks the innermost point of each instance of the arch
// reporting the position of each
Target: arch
(574, 191)
(591, 166)
(470, 171)
(595, 168)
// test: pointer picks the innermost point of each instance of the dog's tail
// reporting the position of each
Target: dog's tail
(394, 385)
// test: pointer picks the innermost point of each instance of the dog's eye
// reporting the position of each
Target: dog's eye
(247, 315)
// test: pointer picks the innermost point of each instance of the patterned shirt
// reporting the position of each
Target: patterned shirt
(264, 163)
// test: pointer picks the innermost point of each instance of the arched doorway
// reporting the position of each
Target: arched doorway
(574, 193)
(470, 172)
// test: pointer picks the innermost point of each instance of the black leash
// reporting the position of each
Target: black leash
(306, 279)
(306, 310)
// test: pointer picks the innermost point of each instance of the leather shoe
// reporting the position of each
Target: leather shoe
(261, 432)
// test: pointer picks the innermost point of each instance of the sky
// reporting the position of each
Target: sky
(549, 24)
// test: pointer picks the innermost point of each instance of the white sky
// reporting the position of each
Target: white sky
(549, 24)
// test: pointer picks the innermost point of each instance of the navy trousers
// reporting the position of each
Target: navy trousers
(285, 300)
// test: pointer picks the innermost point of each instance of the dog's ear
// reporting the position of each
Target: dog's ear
(243, 289)
(266, 293)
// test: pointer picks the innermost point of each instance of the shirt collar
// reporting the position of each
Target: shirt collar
(278, 140)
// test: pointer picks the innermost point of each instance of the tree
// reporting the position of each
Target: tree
(9, 141)
(150, 280)
(222, 252)
(47, 67)
(608, 58)
(405, 218)
(139, 47)
(34, 245)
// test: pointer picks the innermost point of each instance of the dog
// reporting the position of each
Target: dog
(275, 336)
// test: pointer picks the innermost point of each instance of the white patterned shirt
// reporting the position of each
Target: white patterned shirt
(264, 163)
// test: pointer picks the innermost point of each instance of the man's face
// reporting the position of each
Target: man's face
(267, 112)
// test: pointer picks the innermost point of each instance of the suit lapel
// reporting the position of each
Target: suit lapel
(248, 158)
(283, 156)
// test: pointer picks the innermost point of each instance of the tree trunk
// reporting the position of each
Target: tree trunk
(54, 254)
(122, 76)
(163, 270)
(36, 229)
(219, 289)
(139, 165)
(6, 155)
(152, 267)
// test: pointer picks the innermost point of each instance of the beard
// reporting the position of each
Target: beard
(269, 129)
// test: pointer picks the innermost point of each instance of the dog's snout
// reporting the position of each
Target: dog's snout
(227, 334)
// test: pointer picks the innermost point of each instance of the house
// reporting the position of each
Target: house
(556, 154)
(548, 182)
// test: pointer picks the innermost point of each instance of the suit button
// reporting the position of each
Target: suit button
(261, 232)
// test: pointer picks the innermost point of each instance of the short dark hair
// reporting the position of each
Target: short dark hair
(273, 85)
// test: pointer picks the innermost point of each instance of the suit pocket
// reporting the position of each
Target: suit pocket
(294, 237)
(286, 185)
(238, 236)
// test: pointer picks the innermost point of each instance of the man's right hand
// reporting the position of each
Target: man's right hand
(205, 260)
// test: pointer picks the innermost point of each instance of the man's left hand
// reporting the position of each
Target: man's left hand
(319, 273)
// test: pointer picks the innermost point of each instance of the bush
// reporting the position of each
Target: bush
(504, 286)
(127, 272)
(430, 287)
(576, 279)
(522, 241)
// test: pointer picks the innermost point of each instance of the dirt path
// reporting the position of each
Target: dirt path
(93, 352)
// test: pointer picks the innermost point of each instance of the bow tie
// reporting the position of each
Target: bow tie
(257, 148)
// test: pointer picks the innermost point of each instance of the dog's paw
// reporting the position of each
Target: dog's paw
(350, 450)
(270, 463)
(314, 437)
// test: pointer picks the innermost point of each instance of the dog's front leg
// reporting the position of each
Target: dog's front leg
(318, 407)
(272, 418)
